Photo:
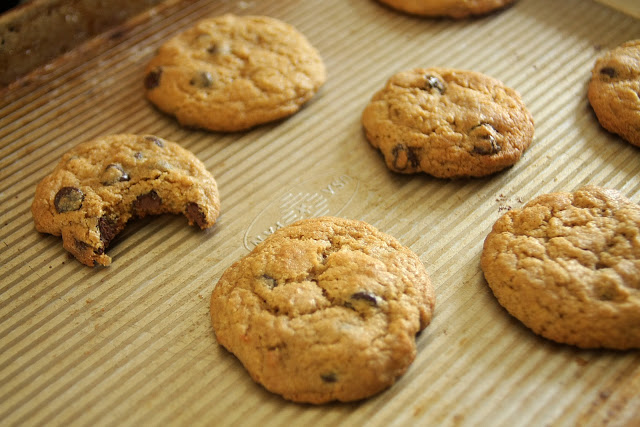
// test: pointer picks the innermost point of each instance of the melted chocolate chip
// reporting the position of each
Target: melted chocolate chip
(108, 229)
(152, 79)
(155, 140)
(195, 215)
(113, 173)
(432, 82)
(203, 79)
(68, 199)
(609, 71)
(82, 246)
(330, 377)
(484, 140)
(138, 155)
(147, 204)
(405, 157)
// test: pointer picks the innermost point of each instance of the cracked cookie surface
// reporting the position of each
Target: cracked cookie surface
(450, 8)
(99, 185)
(230, 73)
(614, 91)
(567, 265)
(324, 309)
(448, 123)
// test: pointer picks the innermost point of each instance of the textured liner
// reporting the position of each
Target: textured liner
(132, 344)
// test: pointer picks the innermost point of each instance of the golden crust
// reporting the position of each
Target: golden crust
(231, 73)
(568, 266)
(450, 8)
(324, 309)
(448, 123)
(614, 91)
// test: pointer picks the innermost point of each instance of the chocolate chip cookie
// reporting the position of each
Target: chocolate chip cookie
(324, 309)
(448, 123)
(567, 265)
(450, 8)
(230, 73)
(614, 91)
(99, 185)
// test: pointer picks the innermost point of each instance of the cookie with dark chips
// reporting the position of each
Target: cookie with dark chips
(567, 265)
(448, 123)
(99, 185)
(324, 309)
(614, 91)
(450, 8)
(230, 73)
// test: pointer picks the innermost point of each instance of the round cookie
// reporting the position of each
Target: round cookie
(567, 265)
(448, 123)
(451, 8)
(231, 73)
(99, 185)
(614, 91)
(324, 309)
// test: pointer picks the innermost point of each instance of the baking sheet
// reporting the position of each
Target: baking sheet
(630, 7)
(132, 344)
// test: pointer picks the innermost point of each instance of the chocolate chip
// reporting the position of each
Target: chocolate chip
(82, 246)
(195, 215)
(484, 140)
(138, 155)
(367, 297)
(203, 79)
(432, 82)
(331, 377)
(108, 229)
(68, 199)
(405, 157)
(113, 173)
(152, 79)
(609, 71)
(147, 204)
(155, 140)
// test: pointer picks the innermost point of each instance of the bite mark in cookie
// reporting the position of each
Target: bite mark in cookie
(99, 185)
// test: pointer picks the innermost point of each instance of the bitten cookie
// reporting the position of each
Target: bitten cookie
(324, 309)
(100, 184)
(231, 73)
(451, 8)
(614, 91)
(448, 123)
(567, 265)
